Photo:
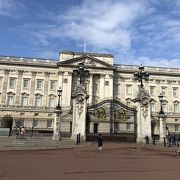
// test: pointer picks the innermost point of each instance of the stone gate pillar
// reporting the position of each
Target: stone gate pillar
(79, 112)
(142, 103)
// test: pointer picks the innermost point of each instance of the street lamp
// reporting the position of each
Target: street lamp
(82, 72)
(141, 74)
(58, 107)
(162, 118)
(58, 111)
(161, 112)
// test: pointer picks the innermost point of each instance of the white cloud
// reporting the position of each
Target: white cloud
(135, 31)
(106, 23)
(9, 7)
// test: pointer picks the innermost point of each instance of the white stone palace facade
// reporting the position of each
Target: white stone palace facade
(28, 90)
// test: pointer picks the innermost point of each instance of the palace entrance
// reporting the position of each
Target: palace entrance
(113, 119)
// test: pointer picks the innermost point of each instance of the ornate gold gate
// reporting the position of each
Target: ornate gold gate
(113, 119)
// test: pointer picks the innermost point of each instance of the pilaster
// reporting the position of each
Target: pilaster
(102, 86)
(90, 89)
(5, 86)
(18, 89)
(46, 88)
(32, 88)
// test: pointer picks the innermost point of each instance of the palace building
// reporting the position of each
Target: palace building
(28, 93)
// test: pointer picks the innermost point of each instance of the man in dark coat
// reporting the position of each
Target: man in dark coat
(99, 140)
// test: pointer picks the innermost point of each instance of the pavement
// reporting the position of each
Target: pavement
(117, 160)
(36, 143)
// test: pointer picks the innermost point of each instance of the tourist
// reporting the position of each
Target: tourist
(100, 141)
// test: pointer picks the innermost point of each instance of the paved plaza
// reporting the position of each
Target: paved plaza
(122, 161)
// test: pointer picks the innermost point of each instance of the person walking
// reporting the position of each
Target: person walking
(100, 141)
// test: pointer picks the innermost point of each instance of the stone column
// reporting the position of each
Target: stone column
(56, 127)
(46, 89)
(162, 129)
(5, 86)
(90, 89)
(32, 88)
(101, 88)
(18, 90)
(142, 103)
(79, 113)
(69, 89)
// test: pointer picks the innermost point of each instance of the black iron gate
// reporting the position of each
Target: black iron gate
(113, 119)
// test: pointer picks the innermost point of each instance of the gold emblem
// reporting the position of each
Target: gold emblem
(100, 113)
(120, 114)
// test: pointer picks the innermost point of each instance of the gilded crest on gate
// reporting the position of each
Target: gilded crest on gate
(100, 113)
(120, 114)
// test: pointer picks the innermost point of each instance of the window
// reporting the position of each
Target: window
(38, 101)
(52, 85)
(39, 84)
(152, 106)
(128, 126)
(152, 90)
(12, 83)
(51, 102)
(49, 123)
(164, 106)
(24, 101)
(10, 100)
(128, 89)
(116, 88)
(175, 92)
(164, 89)
(176, 107)
(35, 122)
(176, 127)
(96, 87)
(25, 83)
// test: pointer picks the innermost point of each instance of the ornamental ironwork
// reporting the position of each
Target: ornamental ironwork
(120, 115)
(100, 113)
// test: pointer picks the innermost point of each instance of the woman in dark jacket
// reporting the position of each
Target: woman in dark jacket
(99, 140)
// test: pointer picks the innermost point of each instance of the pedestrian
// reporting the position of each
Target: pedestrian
(100, 141)
(17, 132)
(22, 132)
(146, 140)
(173, 139)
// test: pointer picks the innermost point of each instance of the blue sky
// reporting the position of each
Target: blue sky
(134, 31)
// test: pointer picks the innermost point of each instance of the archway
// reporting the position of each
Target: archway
(7, 122)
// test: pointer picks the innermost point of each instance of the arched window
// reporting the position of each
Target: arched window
(38, 100)
(10, 98)
(51, 104)
(176, 107)
(24, 99)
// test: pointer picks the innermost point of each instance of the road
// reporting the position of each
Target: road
(117, 161)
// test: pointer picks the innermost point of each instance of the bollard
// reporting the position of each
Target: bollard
(154, 143)
(77, 139)
(164, 141)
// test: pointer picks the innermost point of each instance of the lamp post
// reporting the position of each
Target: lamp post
(58, 111)
(162, 118)
(141, 74)
(82, 72)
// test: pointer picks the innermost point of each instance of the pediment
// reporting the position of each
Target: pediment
(89, 61)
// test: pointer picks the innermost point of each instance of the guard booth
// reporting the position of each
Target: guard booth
(113, 119)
